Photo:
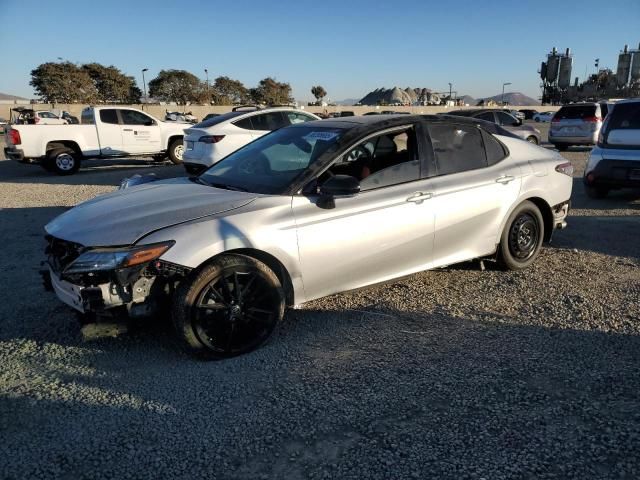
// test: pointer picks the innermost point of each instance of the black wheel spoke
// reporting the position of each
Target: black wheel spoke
(217, 295)
(247, 286)
(236, 287)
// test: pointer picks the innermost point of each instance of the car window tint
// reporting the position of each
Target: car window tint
(457, 148)
(625, 116)
(109, 116)
(244, 123)
(132, 117)
(506, 119)
(295, 117)
(268, 121)
(494, 149)
(574, 112)
(381, 161)
(488, 116)
(87, 117)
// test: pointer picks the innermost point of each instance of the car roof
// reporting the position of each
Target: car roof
(626, 100)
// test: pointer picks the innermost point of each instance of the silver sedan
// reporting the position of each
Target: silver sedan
(306, 211)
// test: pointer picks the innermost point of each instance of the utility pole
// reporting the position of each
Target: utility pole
(450, 91)
(144, 84)
(208, 96)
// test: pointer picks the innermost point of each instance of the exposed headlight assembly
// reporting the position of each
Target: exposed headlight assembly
(104, 259)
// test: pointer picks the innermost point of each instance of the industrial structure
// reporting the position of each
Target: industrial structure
(555, 74)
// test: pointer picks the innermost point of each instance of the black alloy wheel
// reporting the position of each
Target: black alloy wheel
(230, 308)
(523, 236)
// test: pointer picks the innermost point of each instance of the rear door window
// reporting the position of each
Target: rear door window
(109, 115)
(488, 116)
(506, 119)
(133, 117)
(457, 148)
(625, 116)
(575, 112)
(494, 149)
(269, 121)
(245, 124)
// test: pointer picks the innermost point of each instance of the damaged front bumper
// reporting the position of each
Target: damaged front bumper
(138, 289)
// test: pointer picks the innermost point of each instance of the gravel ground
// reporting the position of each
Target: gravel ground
(450, 374)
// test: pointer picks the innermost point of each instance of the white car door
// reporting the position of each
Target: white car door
(140, 132)
(109, 131)
(383, 232)
(471, 197)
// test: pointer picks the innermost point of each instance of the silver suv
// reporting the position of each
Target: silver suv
(577, 124)
(615, 161)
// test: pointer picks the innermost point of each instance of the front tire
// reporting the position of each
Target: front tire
(228, 308)
(522, 237)
(63, 161)
(532, 139)
(176, 150)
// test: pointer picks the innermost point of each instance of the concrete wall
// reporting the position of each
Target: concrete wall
(200, 111)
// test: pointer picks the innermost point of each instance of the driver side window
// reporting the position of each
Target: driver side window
(132, 117)
(381, 161)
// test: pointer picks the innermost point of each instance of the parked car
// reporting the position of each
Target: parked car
(515, 113)
(208, 142)
(70, 119)
(528, 113)
(105, 132)
(28, 116)
(505, 120)
(615, 161)
(576, 124)
(543, 117)
(180, 117)
(309, 210)
(3, 125)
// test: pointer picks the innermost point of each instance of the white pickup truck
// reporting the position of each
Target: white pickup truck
(104, 132)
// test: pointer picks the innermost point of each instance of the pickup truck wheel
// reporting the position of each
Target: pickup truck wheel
(62, 161)
(176, 149)
(522, 237)
(228, 308)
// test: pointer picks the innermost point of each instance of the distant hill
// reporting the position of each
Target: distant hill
(468, 100)
(347, 101)
(513, 98)
(6, 96)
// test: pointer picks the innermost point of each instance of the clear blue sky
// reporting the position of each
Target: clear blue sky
(350, 46)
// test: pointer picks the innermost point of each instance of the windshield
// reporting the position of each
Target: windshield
(270, 164)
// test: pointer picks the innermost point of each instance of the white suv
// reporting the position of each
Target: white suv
(210, 141)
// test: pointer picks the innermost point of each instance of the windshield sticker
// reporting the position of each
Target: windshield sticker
(320, 136)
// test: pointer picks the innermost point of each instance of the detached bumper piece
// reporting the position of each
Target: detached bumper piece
(614, 174)
(560, 213)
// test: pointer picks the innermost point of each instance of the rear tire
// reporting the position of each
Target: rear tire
(522, 237)
(596, 192)
(228, 308)
(532, 139)
(176, 150)
(63, 161)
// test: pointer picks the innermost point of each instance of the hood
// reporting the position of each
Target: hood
(124, 216)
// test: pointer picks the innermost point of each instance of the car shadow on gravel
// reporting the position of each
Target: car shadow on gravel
(622, 199)
(92, 172)
(334, 391)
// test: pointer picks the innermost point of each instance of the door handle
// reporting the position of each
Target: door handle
(127, 129)
(504, 179)
(420, 197)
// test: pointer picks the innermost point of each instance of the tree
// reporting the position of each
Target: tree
(112, 85)
(271, 92)
(318, 92)
(227, 91)
(63, 82)
(177, 86)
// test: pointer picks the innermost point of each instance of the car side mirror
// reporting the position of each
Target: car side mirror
(337, 186)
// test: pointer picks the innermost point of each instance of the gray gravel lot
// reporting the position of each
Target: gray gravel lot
(450, 374)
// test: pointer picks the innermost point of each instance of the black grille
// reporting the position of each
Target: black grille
(61, 253)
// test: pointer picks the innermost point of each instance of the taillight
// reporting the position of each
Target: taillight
(554, 119)
(592, 119)
(565, 168)
(211, 138)
(14, 136)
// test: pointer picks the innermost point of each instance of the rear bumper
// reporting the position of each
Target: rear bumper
(614, 173)
(13, 153)
(579, 140)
